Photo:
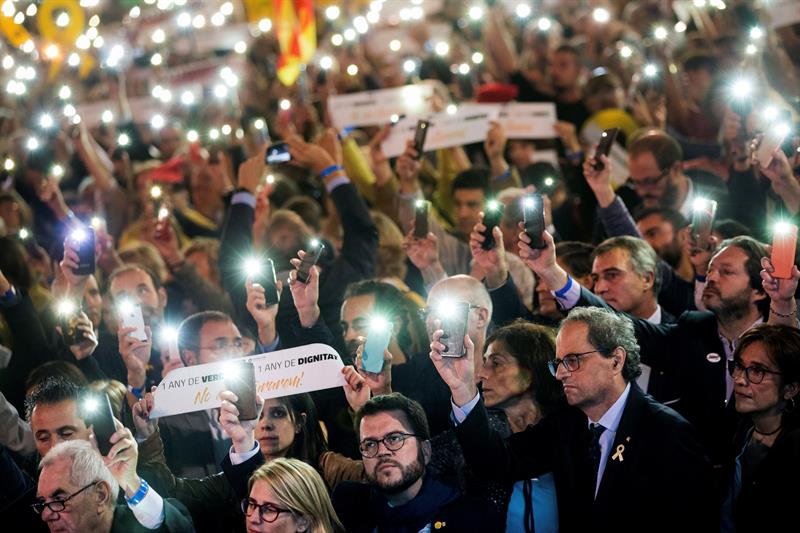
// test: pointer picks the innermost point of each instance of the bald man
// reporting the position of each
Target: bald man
(418, 378)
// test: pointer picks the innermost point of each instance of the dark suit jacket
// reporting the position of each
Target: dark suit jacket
(419, 380)
(694, 383)
(662, 483)
(176, 520)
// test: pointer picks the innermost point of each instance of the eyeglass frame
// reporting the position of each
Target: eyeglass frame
(553, 364)
(39, 507)
(378, 442)
(245, 505)
(745, 370)
(649, 181)
(423, 312)
(228, 346)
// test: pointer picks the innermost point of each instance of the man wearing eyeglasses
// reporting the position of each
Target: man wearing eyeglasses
(621, 461)
(395, 447)
(78, 490)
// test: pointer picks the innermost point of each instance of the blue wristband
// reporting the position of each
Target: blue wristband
(561, 292)
(140, 494)
(504, 175)
(701, 279)
(136, 391)
(330, 170)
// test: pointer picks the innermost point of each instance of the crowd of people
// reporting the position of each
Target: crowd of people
(620, 368)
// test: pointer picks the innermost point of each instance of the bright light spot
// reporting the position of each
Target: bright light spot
(24, 233)
(226, 129)
(78, 235)
(8, 61)
(8, 8)
(51, 51)
(529, 202)
(680, 26)
(650, 70)
(394, 118)
(168, 333)
(741, 88)
(165, 96)
(417, 13)
(74, 59)
(192, 136)
(700, 204)
(187, 98)
(451, 109)
(32, 143)
(493, 205)
(83, 42)
(252, 266)
(156, 60)
(69, 110)
(409, 65)
(756, 33)
(9, 165)
(46, 121)
(226, 9)
(771, 113)
(378, 323)
(441, 48)
(217, 19)
(28, 46)
(259, 123)
(95, 20)
(66, 307)
(337, 39)
(332, 12)
(700, 3)
(135, 12)
(123, 139)
(157, 122)
(163, 213)
(184, 20)
(285, 104)
(213, 134)
(477, 58)
(783, 228)
(463, 69)
(783, 129)
(240, 47)
(660, 33)
(394, 45)
(523, 11)
(199, 21)
(62, 20)
(349, 34)
(270, 179)
(544, 24)
(92, 33)
(57, 171)
(361, 25)
(220, 91)
(475, 12)
(99, 42)
(156, 192)
(352, 69)
(264, 25)
(751, 49)
(31, 10)
(548, 182)
(625, 52)
(373, 17)
(159, 36)
(601, 15)
(314, 243)
(125, 307)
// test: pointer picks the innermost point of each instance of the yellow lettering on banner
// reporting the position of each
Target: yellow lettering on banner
(269, 385)
(16, 34)
(202, 396)
(63, 38)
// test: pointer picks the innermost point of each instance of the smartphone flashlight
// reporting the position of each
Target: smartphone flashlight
(66, 308)
(156, 192)
(168, 333)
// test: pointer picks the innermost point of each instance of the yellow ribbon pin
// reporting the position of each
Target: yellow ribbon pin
(618, 456)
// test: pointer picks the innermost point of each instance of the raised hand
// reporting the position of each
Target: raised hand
(305, 295)
(263, 314)
(457, 372)
(122, 458)
(88, 344)
(252, 171)
(135, 354)
(241, 432)
(68, 265)
(355, 388)
(599, 180)
(311, 156)
(381, 382)
(145, 426)
(780, 291)
(493, 262)
(542, 262)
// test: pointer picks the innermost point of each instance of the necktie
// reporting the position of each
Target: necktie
(594, 451)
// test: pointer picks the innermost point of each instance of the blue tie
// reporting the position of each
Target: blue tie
(595, 451)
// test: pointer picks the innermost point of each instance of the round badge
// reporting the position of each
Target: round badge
(713, 358)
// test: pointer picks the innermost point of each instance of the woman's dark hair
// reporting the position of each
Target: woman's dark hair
(532, 346)
(782, 345)
(14, 264)
(309, 443)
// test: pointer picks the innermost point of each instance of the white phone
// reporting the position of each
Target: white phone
(131, 316)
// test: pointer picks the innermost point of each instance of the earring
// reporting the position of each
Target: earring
(790, 405)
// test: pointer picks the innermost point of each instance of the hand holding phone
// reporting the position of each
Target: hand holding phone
(491, 218)
(83, 240)
(533, 219)
(421, 214)
(703, 212)
(419, 137)
(784, 246)
(453, 317)
(68, 315)
(771, 141)
(277, 153)
(310, 259)
(130, 315)
(604, 147)
(97, 412)
(378, 337)
(266, 277)
(240, 379)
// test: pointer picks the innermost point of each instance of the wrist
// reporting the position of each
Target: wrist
(496, 277)
(433, 273)
(136, 380)
(555, 278)
(463, 394)
(133, 487)
(605, 196)
(245, 444)
(308, 316)
(266, 333)
(409, 186)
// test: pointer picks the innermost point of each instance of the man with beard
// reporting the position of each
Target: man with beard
(693, 352)
(401, 495)
(667, 231)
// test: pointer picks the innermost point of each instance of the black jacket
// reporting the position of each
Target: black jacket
(663, 481)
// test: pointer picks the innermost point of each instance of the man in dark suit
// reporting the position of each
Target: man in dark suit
(621, 461)
(401, 494)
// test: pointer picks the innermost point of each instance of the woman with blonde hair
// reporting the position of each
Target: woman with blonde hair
(288, 495)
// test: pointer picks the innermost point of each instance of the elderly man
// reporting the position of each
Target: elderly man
(621, 461)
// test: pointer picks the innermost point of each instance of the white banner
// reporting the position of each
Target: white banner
(283, 373)
(445, 131)
(534, 120)
(375, 108)
(783, 12)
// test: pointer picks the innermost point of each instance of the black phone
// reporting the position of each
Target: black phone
(309, 260)
(266, 278)
(421, 214)
(419, 137)
(100, 415)
(241, 380)
(604, 147)
(703, 212)
(84, 241)
(491, 218)
(277, 153)
(533, 219)
(68, 315)
(454, 327)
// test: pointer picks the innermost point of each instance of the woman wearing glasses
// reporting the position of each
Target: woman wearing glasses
(762, 495)
(287, 496)
(518, 389)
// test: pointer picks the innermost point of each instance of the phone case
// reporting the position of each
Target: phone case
(244, 387)
(770, 142)
(268, 280)
(419, 137)
(784, 246)
(421, 213)
(69, 330)
(134, 319)
(277, 154)
(533, 218)
(377, 341)
(703, 223)
(491, 218)
(86, 254)
(455, 327)
(604, 147)
(102, 420)
(309, 260)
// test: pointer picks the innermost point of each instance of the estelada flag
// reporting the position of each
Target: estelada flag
(297, 35)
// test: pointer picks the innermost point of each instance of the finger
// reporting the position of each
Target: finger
(228, 396)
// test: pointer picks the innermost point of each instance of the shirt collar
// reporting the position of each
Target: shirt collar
(730, 346)
(610, 420)
(655, 318)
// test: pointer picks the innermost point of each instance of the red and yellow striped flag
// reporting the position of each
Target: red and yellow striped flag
(297, 35)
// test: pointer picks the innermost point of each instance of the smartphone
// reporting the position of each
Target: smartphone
(419, 137)
(277, 153)
(378, 337)
(309, 260)
(83, 239)
(533, 219)
(770, 143)
(130, 315)
(421, 214)
(266, 278)
(604, 147)
(161, 231)
(784, 245)
(68, 315)
(242, 382)
(491, 218)
(703, 212)
(454, 325)
(99, 414)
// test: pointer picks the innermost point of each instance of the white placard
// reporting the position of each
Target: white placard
(522, 120)
(375, 108)
(783, 12)
(282, 373)
(445, 131)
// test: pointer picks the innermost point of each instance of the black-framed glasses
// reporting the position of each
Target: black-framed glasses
(223, 344)
(753, 374)
(571, 362)
(58, 505)
(267, 512)
(393, 442)
(650, 181)
(426, 311)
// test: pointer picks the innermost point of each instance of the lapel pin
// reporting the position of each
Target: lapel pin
(713, 358)
(618, 456)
